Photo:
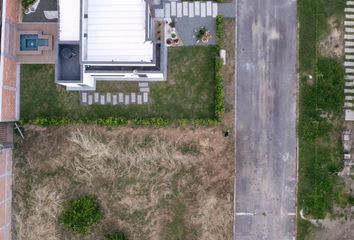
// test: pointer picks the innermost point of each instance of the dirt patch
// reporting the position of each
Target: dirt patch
(153, 184)
(333, 44)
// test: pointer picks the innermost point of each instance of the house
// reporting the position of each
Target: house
(110, 40)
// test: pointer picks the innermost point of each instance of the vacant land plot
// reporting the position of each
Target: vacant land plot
(321, 116)
(188, 93)
(152, 183)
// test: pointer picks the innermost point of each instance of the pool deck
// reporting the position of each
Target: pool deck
(47, 56)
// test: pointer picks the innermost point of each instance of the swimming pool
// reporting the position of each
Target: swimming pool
(31, 42)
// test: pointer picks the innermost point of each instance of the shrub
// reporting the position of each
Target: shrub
(116, 236)
(219, 89)
(81, 215)
(219, 32)
(27, 3)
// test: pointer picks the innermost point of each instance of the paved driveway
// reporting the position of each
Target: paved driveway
(266, 120)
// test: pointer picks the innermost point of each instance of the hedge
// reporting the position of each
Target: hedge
(219, 32)
(157, 122)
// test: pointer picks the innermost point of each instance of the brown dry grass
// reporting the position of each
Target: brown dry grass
(153, 184)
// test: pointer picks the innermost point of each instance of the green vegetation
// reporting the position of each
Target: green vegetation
(27, 3)
(116, 236)
(81, 215)
(188, 93)
(320, 114)
(220, 32)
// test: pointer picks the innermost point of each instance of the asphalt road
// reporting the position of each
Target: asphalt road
(266, 120)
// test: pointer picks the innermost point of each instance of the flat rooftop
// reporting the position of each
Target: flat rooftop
(115, 31)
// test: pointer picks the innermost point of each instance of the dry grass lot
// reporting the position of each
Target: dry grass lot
(172, 183)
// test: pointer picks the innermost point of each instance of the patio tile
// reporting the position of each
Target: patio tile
(191, 9)
(146, 89)
(84, 97)
(179, 9)
(133, 97)
(215, 9)
(126, 99)
(96, 97)
(145, 97)
(208, 9)
(185, 8)
(173, 9)
(102, 99)
(90, 99)
(197, 8)
(203, 9)
(143, 84)
(108, 97)
(167, 10)
(114, 99)
(139, 99)
(120, 97)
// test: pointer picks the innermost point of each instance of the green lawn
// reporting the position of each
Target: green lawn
(320, 114)
(188, 93)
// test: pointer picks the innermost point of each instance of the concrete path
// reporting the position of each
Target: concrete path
(266, 156)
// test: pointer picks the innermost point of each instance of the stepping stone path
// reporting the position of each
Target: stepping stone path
(142, 97)
(190, 9)
(349, 61)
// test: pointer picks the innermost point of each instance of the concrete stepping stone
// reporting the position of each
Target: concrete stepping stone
(348, 23)
(126, 99)
(349, 10)
(84, 97)
(349, 84)
(348, 90)
(145, 89)
(167, 10)
(350, 2)
(179, 9)
(349, 44)
(159, 13)
(208, 9)
(114, 99)
(102, 99)
(348, 36)
(349, 16)
(173, 9)
(349, 50)
(215, 9)
(203, 9)
(90, 99)
(133, 97)
(143, 84)
(349, 30)
(145, 97)
(139, 99)
(348, 104)
(347, 56)
(108, 98)
(349, 77)
(120, 98)
(96, 97)
(191, 9)
(349, 98)
(348, 64)
(349, 70)
(197, 8)
(185, 8)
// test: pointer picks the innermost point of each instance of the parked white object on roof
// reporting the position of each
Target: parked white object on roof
(69, 20)
(116, 31)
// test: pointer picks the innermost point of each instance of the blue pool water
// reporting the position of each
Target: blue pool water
(31, 42)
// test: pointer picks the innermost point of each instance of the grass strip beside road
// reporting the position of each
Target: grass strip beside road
(320, 114)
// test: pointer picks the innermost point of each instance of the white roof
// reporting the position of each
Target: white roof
(116, 31)
(69, 20)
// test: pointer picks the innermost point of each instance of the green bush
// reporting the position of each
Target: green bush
(219, 89)
(81, 215)
(27, 3)
(219, 32)
(116, 236)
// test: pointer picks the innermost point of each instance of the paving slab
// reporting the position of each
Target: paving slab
(145, 97)
(197, 8)
(143, 84)
(349, 10)
(349, 77)
(84, 97)
(133, 97)
(90, 99)
(203, 9)
(96, 97)
(191, 9)
(114, 99)
(215, 10)
(120, 97)
(349, 30)
(348, 23)
(167, 10)
(179, 9)
(349, 16)
(209, 9)
(349, 50)
(348, 64)
(185, 8)
(347, 56)
(108, 98)
(349, 43)
(126, 99)
(173, 9)
(102, 99)
(145, 89)
(139, 98)
(349, 70)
